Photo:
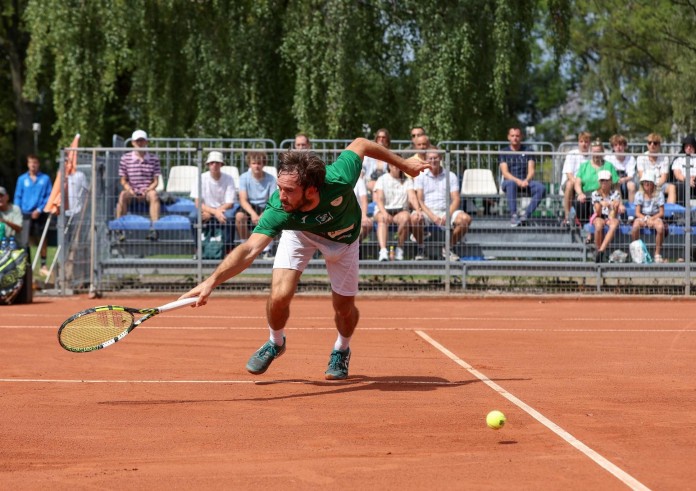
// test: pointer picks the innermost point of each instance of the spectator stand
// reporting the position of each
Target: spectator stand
(518, 254)
(128, 234)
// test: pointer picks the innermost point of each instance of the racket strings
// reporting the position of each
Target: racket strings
(95, 328)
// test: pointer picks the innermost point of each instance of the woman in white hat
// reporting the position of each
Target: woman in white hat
(607, 205)
(650, 210)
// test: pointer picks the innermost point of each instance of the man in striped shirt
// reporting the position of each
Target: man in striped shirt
(140, 172)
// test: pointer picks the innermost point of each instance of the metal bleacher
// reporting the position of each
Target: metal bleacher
(491, 250)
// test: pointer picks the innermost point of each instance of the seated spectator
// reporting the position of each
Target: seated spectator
(31, 195)
(571, 164)
(366, 223)
(518, 172)
(302, 142)
(421, 144)
(658, 165)
(431, 208)
(140, 172)
(374, 168)
(392, 196)
(625, 166)
(688, 152)
(587, 180)
(650, 210)
(255, 187)
(608, 205)
(216, 199)
(10, 214)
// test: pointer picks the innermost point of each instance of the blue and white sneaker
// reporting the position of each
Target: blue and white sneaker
(262, 359)
(338, 365)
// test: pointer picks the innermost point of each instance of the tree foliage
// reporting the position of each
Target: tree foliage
(269, 68)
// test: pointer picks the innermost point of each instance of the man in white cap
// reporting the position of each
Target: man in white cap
(217, 197)
(10, 214)
(140, 172)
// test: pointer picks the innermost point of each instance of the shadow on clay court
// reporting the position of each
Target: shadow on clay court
(354, 384)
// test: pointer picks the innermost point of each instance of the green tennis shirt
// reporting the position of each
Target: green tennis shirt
(337, 217)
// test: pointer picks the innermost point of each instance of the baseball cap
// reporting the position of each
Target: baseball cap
(604, 175)
(139, 135)
(3, 190)
(215, 157)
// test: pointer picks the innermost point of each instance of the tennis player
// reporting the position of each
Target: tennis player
(315, 209)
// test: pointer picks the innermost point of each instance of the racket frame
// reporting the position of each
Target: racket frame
(146, 314)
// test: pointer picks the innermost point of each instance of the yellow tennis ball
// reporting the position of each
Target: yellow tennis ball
(495, 420)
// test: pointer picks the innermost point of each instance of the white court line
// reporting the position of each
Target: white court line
(332, 328)
(614, 470)
(396, 318)
(213, 382)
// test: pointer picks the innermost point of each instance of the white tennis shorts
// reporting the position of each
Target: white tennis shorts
(296, 248)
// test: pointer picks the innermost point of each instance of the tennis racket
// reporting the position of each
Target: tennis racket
(99, 327)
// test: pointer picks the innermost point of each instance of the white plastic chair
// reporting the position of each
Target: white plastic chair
(182, 178)
(478, 183)
(233, 171)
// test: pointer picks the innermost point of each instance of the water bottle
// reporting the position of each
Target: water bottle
(2, 231)
(3, 245)
(391, 253)
(12, 243)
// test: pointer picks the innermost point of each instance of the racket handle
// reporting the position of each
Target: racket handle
(177, 304)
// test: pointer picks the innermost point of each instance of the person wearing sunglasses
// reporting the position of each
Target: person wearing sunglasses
(658, 164)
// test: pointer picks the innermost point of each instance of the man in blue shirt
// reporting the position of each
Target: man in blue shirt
(517, 171)
(31, 195)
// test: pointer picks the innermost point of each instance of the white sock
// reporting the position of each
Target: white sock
(341, 343)
(277, 336)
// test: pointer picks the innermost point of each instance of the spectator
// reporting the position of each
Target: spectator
(316, 210)
(31, 195)
(416, 132)
(392, 195)
(217, 198)
(431, 206)
(587, 180)
(518, 172)
(140, 172)
(650, 210)
(10, 214)
(625, 166)
(375, 168)
(255, 188)
(608, 205)
(658, 165)
(421, 143)
(679, 165)
(302, 142)
(570, 166)
(366, 223)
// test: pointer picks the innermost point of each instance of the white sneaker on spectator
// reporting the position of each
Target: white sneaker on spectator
(399, 254)
(383, 255)
(452, 257)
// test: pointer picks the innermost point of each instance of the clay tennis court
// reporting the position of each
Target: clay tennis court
(599, 394)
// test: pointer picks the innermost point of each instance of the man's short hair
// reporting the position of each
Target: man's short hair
(618, 139)
(310, 169)
(584, 136)
(254, 154)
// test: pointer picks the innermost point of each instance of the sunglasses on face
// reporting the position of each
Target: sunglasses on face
(654, 143)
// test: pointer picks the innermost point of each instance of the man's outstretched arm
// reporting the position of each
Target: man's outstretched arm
(366, 148)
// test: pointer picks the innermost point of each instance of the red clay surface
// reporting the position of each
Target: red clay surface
(172, 406)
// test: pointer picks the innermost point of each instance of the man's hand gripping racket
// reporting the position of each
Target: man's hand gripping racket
(99, 327)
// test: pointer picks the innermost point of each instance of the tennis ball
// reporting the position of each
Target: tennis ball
(495, 420)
